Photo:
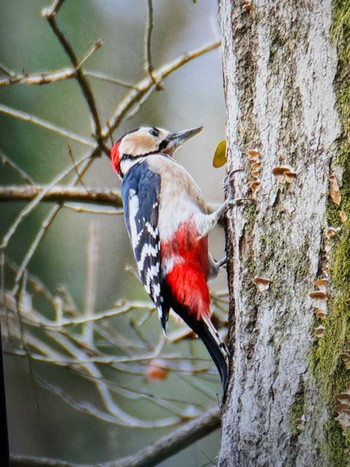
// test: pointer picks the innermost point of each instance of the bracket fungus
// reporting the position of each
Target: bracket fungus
(318, 295)
(343, 409)
(334, 189)
(284, 173)
(319, 331)
(261, 283)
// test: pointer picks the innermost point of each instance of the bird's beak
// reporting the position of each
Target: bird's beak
(177, 139)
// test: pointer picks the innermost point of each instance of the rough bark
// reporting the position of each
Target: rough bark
(279, 65)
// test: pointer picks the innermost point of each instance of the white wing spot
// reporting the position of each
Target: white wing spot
(152, 231)
(147, 250)
(133, 210)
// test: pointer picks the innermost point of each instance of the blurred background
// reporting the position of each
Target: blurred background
(56, 409)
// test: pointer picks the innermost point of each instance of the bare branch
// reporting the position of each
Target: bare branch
(45, 124)
(61, 194)
(5, 70)
(48, 77)
(118, 310)
(46, 224)
(146, 84)
(85, 162)
(29, 208)
(84, 84)
(91, 283)
(154, 454)
(79, 178)
(110, 79)
(97, 44)
(53, 9)
(85, 210)
(173, 443)
(28, 461)
(133, 97)
(148, 45)
(45, 77)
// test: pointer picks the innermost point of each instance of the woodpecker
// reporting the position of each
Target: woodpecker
(168, 225)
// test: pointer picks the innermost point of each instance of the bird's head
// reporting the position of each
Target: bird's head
(146, 141)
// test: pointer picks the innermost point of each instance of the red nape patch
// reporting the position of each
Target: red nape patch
(189, 287)
(115, 158)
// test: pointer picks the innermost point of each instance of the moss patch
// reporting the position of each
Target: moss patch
(297, 410)
(328, 368)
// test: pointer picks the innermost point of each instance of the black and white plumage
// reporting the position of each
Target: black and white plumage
(168, 225)
(140, 193)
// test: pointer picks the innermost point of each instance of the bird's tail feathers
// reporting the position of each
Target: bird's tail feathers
(217, 349)
(205, 329)
(163, 313)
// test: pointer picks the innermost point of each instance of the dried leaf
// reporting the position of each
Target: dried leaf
(156, 372)
(220, 157)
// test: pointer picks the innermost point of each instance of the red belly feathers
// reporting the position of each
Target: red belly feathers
(188, 276)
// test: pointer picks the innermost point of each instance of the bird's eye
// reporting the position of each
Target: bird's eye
(154, 132)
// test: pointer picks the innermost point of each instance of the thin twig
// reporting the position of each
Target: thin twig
(110, 79)
(29, 461)
(91, 282)
(81, 78)
(53, 9)
(99, 211)
(46, 224)
(45, 124)
(111, 313)
(134, 96)
(38, 79)
(61, 194)
(7, 161)
(148, 45)
(86, 161)
(80, 178)
(141, 101)
(20, 298)
(97, 44)
(5, 70)
(29, 208)
(36, 284)
(47, 77)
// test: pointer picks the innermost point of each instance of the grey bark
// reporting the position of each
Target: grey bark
(279, 66)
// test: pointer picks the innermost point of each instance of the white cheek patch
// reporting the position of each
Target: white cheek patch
(138, 143)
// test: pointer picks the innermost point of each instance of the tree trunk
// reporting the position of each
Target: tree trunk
(287, 130)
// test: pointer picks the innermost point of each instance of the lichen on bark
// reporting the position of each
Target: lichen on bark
(328, 368)
(279, 71)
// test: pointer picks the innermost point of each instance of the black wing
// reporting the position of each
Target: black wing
(140, 192)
